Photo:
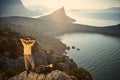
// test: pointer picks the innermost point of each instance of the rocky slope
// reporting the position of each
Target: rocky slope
(54, 75)
(46, 42)
(11, 53)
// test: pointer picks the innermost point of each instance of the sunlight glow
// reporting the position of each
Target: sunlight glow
(73, 4)
(47, 3)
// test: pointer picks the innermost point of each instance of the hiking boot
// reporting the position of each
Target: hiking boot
(28, 72)
(33, 70)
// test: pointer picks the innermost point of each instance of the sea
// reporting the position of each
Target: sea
(99, 54)
(98, 18)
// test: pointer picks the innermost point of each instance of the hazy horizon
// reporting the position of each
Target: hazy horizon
(97, 15)
(76, 4)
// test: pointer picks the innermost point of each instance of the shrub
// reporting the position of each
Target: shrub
(81, 74)
(10, 72)
(3, 75)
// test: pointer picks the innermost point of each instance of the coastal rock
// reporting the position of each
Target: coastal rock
(68, 64)
(54, 75)
(57, 75)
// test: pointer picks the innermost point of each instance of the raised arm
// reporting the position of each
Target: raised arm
(32, 42)
(22, 40)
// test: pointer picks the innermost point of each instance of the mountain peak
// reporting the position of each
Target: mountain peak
(60, 12)
(58, 16)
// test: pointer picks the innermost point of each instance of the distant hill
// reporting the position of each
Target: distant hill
(58, 16)
(111, 8)
(59, 23)
(49, 24)
(14, 8)
(114, 8)
(112, 13)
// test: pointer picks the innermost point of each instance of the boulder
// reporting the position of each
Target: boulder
(54, 75)
(57, 75)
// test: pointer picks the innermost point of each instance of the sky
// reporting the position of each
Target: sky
(72, 4)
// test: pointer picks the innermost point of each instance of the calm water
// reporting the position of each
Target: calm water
(99, 54)
(95, 18)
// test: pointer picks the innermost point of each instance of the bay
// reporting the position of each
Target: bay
(99, 54)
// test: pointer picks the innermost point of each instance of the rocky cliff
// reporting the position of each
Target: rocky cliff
(11, 55)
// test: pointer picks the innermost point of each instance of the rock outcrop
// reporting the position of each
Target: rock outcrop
(54, 75)
(58, 16)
